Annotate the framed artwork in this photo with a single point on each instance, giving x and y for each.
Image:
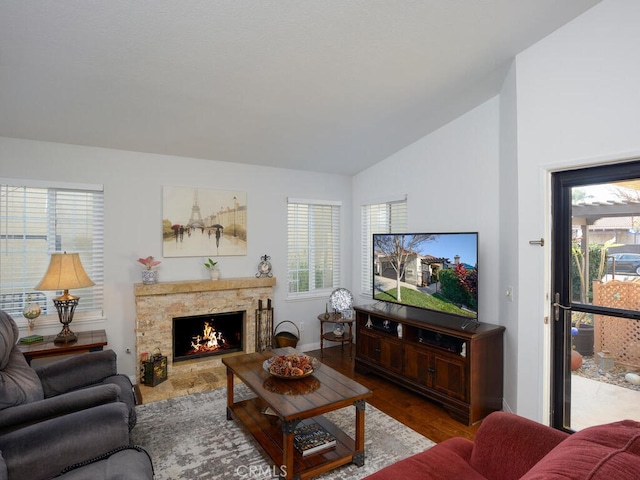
(198, 222)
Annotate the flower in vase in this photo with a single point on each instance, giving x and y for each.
(149, 262)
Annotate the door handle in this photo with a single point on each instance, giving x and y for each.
(557, 306)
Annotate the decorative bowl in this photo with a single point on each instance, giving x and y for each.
(290, 367)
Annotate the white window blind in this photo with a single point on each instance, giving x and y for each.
(313, 247)
(389, 217)
(36, 221)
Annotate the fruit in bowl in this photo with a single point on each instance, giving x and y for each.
(292, 365)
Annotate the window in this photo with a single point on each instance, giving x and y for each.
(389, 217)
(313, 246)
(37, 220)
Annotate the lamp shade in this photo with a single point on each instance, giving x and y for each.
(65, 272)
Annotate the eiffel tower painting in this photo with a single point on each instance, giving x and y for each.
(201, 222)
(195, 221)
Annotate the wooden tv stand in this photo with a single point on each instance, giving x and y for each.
(439, 356)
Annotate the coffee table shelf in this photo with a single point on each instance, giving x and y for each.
(267, 430)
(274, 433)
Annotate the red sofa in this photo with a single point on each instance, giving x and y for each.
(509, 447)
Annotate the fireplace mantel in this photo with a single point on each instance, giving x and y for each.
(156, 306)
(192, 286)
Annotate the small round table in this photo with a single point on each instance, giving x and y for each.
(332, 337)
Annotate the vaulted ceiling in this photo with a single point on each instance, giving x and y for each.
(331, 85)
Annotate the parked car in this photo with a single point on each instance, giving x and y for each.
(624, 263)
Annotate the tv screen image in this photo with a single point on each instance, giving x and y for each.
(432, 271)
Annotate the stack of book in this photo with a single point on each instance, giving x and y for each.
(32, 339)
(312, 438)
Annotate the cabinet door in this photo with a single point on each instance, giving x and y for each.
(450, 377)
(391, 355)
(368, 346)
(417, 364)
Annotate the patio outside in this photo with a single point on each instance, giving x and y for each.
(605, 381)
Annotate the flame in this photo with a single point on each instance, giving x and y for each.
(209, 341)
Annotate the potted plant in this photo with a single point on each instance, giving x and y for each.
(213, 270)
(582, 333)
(149, 275)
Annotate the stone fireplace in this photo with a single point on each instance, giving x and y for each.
(158, 304)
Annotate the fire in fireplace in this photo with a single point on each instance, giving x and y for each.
(205, 335)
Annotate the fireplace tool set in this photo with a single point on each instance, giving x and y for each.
(264, 326)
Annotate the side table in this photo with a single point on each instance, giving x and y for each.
(332, 337)
(90, 341)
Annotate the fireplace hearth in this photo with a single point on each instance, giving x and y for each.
(198, 336)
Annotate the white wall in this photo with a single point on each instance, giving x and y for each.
(133, 215)
(578, 104)
(508, 243)
(451, 180)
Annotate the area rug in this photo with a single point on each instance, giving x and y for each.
(190, 438)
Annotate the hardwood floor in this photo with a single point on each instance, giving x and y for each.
(411, 409)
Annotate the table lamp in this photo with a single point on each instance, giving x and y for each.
(65, 271)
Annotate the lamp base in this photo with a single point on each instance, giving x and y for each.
(66, 305)
(63, 337)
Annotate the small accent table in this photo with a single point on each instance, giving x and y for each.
(90, 341)
(332, 337)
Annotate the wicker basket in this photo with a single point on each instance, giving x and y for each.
(285, 339)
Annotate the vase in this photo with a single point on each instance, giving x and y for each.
(583, 340)
(214, 273)
(149, 277)
(576, 360)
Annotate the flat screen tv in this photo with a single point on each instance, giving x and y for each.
(432, 271)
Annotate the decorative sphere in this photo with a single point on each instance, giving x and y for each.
(31, 311)
(633, 378)
(574, 331)
(576, 360)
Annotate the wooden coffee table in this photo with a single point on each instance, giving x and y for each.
(294, 403)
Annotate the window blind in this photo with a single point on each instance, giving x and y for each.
(36, 221)
(313, 247)
(389, 217)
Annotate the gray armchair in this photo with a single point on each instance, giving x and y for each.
(88, 444)
(30, 395)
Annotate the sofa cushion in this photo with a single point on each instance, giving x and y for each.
(127, 394)
(41, 450)
(4, 475)
(23, 415)
(507, 446)
(88, 369)
(445, 461)
(603, 452)
(130, 463)
(19, 383)
(8, 338)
